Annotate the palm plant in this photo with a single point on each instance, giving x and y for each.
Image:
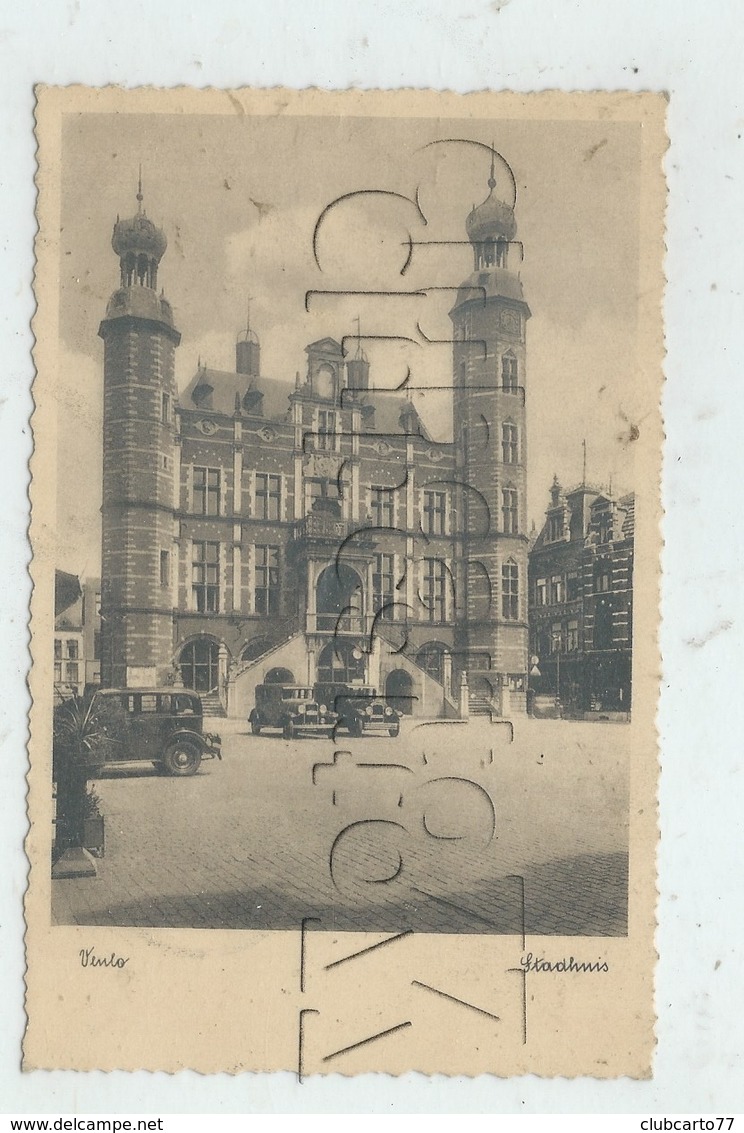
(78, 736)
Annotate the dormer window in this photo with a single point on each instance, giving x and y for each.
(202, 396)
(605, 527)
(555, 528)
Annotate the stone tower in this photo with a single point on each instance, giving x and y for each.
(139, 450)
(489, 323)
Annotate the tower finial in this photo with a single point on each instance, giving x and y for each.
(358, 322)
(583, 474)
(140, 198)
(492, 178)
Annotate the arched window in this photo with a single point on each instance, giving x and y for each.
(339, 599)
(255, 649)
(479, 592)
(199, 664)
(279, 677)
(509, 443)
(509, 511)
(510, 591)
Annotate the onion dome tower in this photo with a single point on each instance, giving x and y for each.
(489, 330)
(139, 554)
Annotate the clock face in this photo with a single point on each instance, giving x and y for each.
(510, 322)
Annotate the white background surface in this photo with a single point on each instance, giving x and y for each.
(695, 53)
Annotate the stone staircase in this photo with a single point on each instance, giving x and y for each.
(480, 705)
(212, 704)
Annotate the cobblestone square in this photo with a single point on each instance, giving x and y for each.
(450, 828)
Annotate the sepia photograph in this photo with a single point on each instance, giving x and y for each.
(348, 414)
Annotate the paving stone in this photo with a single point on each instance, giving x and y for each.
(247, 843)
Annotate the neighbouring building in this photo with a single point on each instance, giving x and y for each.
(581, 602)
(77, 634)
(258, 530)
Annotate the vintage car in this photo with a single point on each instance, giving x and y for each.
(360, 709)
(157, 725)
(293, 708)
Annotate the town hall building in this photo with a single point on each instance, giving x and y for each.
(259, 530)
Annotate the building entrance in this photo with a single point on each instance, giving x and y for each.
(199, 665)
(340, 662)
(399, 691)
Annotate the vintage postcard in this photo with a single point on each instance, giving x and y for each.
(346, 534)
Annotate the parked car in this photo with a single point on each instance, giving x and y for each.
(360, 709)
(157, 725)
(293, 708)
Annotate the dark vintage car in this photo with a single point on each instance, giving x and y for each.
(157, 725)
(360, 709)
(293, 708)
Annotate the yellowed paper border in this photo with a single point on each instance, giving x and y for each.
(232, 1001)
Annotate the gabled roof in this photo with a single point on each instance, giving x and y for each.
(325, 346)
(66, 591)
(395, 414)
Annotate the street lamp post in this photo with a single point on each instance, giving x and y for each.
(556, 639)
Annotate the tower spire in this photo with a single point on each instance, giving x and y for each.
(583, 474)
(492, 178)
(140, 197)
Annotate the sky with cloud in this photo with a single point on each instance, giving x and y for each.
(239, 198)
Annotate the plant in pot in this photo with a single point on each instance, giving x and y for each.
(77, 741)
(93, 823)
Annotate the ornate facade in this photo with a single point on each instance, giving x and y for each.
(581, 603)
(255, 529)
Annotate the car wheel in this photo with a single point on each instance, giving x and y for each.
(288, 731)
(255, 726)
(394, 730)
(182, 758)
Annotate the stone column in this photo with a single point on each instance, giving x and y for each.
(505, 696)
(464, 696)
(447, 674)
(222, 662)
